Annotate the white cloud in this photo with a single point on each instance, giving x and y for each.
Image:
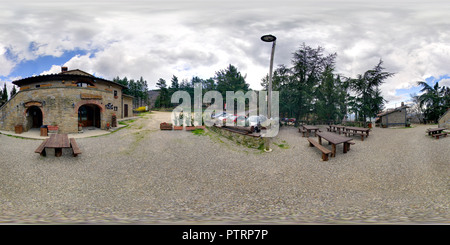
(156, 39)
(445, 82)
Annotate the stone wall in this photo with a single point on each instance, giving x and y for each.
(128, 100)
(397, 118)
(444, 121)
(59, 102)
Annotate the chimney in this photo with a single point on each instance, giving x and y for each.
(64, 69)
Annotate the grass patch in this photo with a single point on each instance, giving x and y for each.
(20, 137)
(261, 147)
(282, 145)
(198, 131)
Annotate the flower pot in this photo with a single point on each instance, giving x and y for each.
(52, 128)
(177, 127)
(190, 128)
(165, 126)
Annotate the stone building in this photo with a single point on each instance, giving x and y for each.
(68, 99)
(396, 117)
(444, 120)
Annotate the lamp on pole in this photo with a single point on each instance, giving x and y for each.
(271, 39)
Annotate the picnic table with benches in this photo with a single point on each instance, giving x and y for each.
(333, 139)
(336, 128)
(308, 129)
(58, 142)
(437, 132)
(357, 131)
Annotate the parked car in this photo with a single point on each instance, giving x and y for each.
(222, 116)
(218, 115)
(229, 117)
(243, 118)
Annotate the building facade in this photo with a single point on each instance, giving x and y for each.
(394, 118)
(444, 120)
(68, 100)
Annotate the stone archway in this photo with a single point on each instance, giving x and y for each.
(34, 117)
(90, 113)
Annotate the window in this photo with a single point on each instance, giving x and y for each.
(83, 84)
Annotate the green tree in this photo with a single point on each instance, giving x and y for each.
(230, 79)
(163, 98)
(436, 100)
(123, 82)
(4, 94)
(174, 83)
(330, 95)
(368, 100)
(13, 91)
(138, 89)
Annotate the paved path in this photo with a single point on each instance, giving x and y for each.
(142, 175)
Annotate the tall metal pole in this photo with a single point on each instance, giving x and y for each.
(269, 38)
(269, 109)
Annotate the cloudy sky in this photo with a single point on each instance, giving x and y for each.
(159, 39)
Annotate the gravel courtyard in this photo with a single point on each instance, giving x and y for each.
(142, 175)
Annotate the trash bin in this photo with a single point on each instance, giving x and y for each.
(114, 121)
(44, 130)
(18, 129)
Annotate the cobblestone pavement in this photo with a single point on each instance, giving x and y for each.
(142, 175)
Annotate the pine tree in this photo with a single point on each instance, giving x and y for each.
(13, 91)
(4, 97)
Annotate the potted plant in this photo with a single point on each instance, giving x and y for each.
(53, 127)
(179, 124)
(80, 127)
(201, 126)
(178, 127)
(165, 126)
(192, 127)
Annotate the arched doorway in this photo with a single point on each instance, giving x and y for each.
(89, 115)
(34, 117)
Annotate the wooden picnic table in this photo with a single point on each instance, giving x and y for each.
(357, 130)
(58, 142)
(335, 139)
(310, 128)
(432, 131)
(336, 128)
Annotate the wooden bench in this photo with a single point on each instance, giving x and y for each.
(41, 148)
(325, 151)
(353, 133)
(444, 134)
(349, 144)
(300, 130)
(75, 148)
